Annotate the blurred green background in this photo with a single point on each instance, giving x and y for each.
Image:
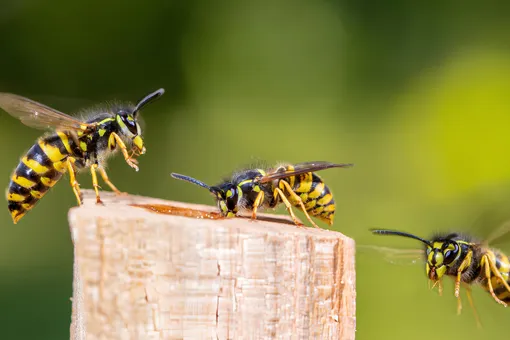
(416, 94)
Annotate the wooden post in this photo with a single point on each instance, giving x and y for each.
(154, 272)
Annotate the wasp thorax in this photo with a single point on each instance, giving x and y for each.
(441, 256)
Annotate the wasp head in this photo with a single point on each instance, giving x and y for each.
(126, 119)
(440, 256)
(227, 196)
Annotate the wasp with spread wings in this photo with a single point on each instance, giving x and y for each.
(294, 185)
(465, 259)
(74, 145)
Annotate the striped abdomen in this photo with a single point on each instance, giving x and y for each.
(316, 196)
(43, 165)
(503, 265)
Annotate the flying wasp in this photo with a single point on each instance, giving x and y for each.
(76, 144)
(293, 185)
(468, 261)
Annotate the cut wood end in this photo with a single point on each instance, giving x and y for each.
(131, 206)
(163, 275)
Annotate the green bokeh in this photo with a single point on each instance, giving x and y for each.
(415, 94)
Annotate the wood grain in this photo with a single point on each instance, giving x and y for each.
(146, 275)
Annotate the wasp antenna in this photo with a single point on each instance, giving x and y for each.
(191, 180)
(148, 98)
(399, 233)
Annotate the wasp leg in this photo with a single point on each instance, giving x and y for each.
(110, 184)
(439, 285)
(131, 162)
(459, 305)
(487, 264)
(95, 184)
(72, 178)
(279, 192)
(300, 202)
(471, 303)
(256, 204)
(465, 263)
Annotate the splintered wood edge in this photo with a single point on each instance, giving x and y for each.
(121, 205)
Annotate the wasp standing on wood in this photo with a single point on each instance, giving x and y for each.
(77, 144)
(294, 185)
(467, 261)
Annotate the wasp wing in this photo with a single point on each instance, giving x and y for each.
(39, 116)
(302, 168)
(394, 255)
(500, 236)
(492, 227)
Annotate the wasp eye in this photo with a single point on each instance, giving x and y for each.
(451, 254)
(130, 124)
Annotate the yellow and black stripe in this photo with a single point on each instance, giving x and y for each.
(314, 193)
(38, 171)
(503, 266)
(76, 144)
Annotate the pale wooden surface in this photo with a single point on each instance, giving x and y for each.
(144, 275)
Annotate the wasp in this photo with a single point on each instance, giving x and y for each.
(294, 185)
(73, 145)
(467, 260)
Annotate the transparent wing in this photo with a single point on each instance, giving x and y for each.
(302, 168)
(492, 226)
(38, 115)
(500, 235)
(393, 255)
